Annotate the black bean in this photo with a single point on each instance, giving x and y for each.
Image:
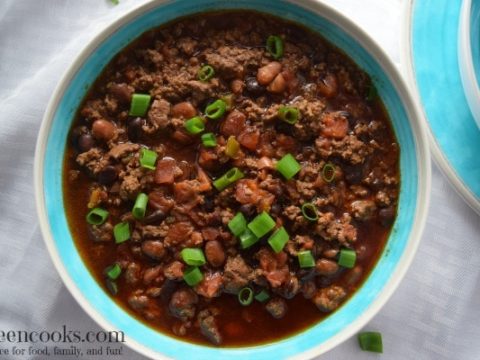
(209, 204)
(85, 142)
(135, 128)
(253, 87)
(353, 174)
(107, 175)
(155, 217)
(248, 210)
(276, 209)
(386, 216)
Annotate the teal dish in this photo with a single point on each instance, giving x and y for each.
(455, 136)
(396, 257)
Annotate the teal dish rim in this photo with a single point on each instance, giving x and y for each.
(431, 51)
(475, 37)
(400, 248)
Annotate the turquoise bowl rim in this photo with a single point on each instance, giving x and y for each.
(400, 249)
(449, 153)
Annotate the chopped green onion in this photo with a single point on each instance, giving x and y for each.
(261, 224)
(305, 259)
(245, 296)
(209, 140)
(347, 258)
(228, 99)
(278, 239)
(113, 271)
(194, 125)
(148, 159)
(262, 296)
(371, 341)
(232, 147)
(289, 114)
(275, 46)
(121, 232)
(115, 2)
(205, 73)
(309, 212)
(216, 109)
(288, 166)
(140, 206)
(247, 239)
(97, 216)
(228, 178)
(112, 286)
(372, 93)
(238, 224)
(193, 256)
(328, 172)
(139, 104)
(192, 276)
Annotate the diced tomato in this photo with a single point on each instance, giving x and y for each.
(165, 171)
(249, 138)
(334, 125)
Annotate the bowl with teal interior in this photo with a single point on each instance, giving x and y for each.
(398, 252)
(468, 50)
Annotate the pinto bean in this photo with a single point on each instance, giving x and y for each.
(234, 123)
(237, 86)
(184, 109)
(153, 249)
(328, 86)
(267, 73)
(103, 130)
(278, 85)
(326, 267)
(215, 253)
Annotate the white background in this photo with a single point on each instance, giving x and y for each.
(434, 314)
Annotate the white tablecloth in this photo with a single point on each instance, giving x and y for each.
(434, 314)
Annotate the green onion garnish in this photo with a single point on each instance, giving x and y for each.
(121, 232)
(192, 276)
(209, 140)
(232, 147)
(347, 258)
(193, 256)
(216, 109)
(139, 104)
(206, 73)
(278, 239)
(247, 239)
(309, 212)
(228, 178)
(97, 216)
(288, 114)
(261, 224)
(194, 125)
(140, 206)
(148, 159)
(112, 286)
(371, 341)
(238, 224)
(115, 2)
(275, 46)
(305, 259)
(245, 296)
(113, 271)
(288, 166)
(328, 172)
(262, 296)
